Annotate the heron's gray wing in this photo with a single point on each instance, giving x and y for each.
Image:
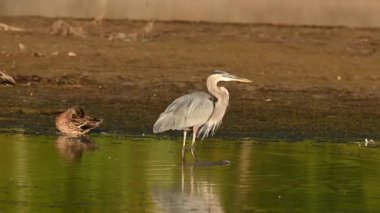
(189, 110)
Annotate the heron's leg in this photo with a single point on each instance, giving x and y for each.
(195, 130)
(184, 145)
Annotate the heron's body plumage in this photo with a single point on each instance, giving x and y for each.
(190, 110)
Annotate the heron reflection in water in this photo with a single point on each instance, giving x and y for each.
(201, 111)
(195, 194)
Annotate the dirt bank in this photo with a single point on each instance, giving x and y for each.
(308, 82)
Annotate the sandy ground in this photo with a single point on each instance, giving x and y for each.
(308, 82)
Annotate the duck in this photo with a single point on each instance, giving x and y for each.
(75, 123)
(6, 79)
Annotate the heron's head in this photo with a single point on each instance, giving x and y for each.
(6, 79)
(225, 76)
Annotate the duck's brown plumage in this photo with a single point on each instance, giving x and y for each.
(6, 79)
(74, 122)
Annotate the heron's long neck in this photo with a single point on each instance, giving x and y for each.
(222, 96)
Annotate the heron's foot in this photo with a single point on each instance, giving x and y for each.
(193, 153)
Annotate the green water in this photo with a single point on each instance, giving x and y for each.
(106, 174)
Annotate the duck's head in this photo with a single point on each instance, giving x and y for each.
(75, 112)
(6, 79)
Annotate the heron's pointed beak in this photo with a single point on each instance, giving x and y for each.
(7, 79)
(235, 78)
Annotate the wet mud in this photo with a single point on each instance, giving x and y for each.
(308, 82)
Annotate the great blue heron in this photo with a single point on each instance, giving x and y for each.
(198, 110)
(6, 79)
(74, 122)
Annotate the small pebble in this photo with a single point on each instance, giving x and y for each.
(21, 47)
(71, 54)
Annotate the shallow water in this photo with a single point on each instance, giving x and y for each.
(107, 174)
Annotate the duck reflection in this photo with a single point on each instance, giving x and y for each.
(195, 194)
(72, 148)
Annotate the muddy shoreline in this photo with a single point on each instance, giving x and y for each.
(309, 83)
